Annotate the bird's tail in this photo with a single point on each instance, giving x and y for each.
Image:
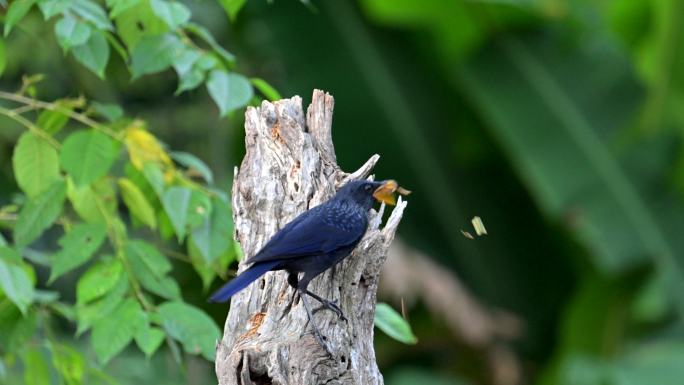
(241, 281)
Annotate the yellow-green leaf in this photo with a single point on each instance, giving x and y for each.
(137, 203)
(35, 163)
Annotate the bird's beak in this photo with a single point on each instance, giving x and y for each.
(385, 193)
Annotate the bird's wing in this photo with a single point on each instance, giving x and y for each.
(307, 235)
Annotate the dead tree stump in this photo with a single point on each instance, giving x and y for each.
(289, 167)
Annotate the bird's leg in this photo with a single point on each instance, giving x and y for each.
(330, 305)
(316, 331)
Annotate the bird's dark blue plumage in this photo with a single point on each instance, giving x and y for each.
(311, 243)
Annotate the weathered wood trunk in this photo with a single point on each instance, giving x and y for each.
(290, 166)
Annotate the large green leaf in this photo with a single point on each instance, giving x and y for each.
(192, 327)
(99, 280)
(87, 156)
(154, 54)
(551, 129)
(151, 269)
(232, 7)
(194, 164)
(92, 12)
(137, 203)
(149, 339)
(39, 213)
(114, 332)
(229, 90)
(136, 19)
(15, 282)
(51, 8)
(94, 53)
(92, 312)
(392, 323)
(95, 202)
(35, 163)
(3, 56)
(78, 246)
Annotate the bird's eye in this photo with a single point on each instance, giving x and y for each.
(367, 187)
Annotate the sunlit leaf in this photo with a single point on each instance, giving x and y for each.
(136, 19)
(35, 163)
(95, 202)
(137, 203)
(50, 8)
(392, 323)
(92, 312)
(232, 7)
(176, 201)
(69, 362)
(36, 370)
(266, 89)
(3, 57)
(16, 329)
(87, 155)
(143, 147)
(99, 280)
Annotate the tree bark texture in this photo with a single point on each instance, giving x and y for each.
(289, 167)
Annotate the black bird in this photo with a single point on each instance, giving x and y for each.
(313, 242)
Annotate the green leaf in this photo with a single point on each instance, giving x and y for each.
(50, 8)
(78, 246)
(151, 268)
(194, 163)
(173, 13)
(266, 89)
(39, 213)
(16, 330)
(214, 237)
(205, 35)
(3, 57)
(114, 332)
(154, 177)
(136, 202)
(154, 54)
(191, 327)
(230, 91)
(15, 282)
(95, 202)
(91, 313)
(136, 21)
(92, 12)
(16, 11)
(190, 75)
(392, 323)
(118, 6)
(52, 121)
(149, 339)
(94, 53)
(176, 201)
(35, 163)
(71, 32)
(70, 364)
(87, 155)
(109, 111)
(99, 280)
(36, 369)
(232, 7)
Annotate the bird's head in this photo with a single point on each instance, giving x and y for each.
(363, 192)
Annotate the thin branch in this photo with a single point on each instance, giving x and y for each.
(31, 127)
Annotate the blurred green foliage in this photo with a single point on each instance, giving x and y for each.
(556, 121)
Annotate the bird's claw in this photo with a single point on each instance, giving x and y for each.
(332, 306)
